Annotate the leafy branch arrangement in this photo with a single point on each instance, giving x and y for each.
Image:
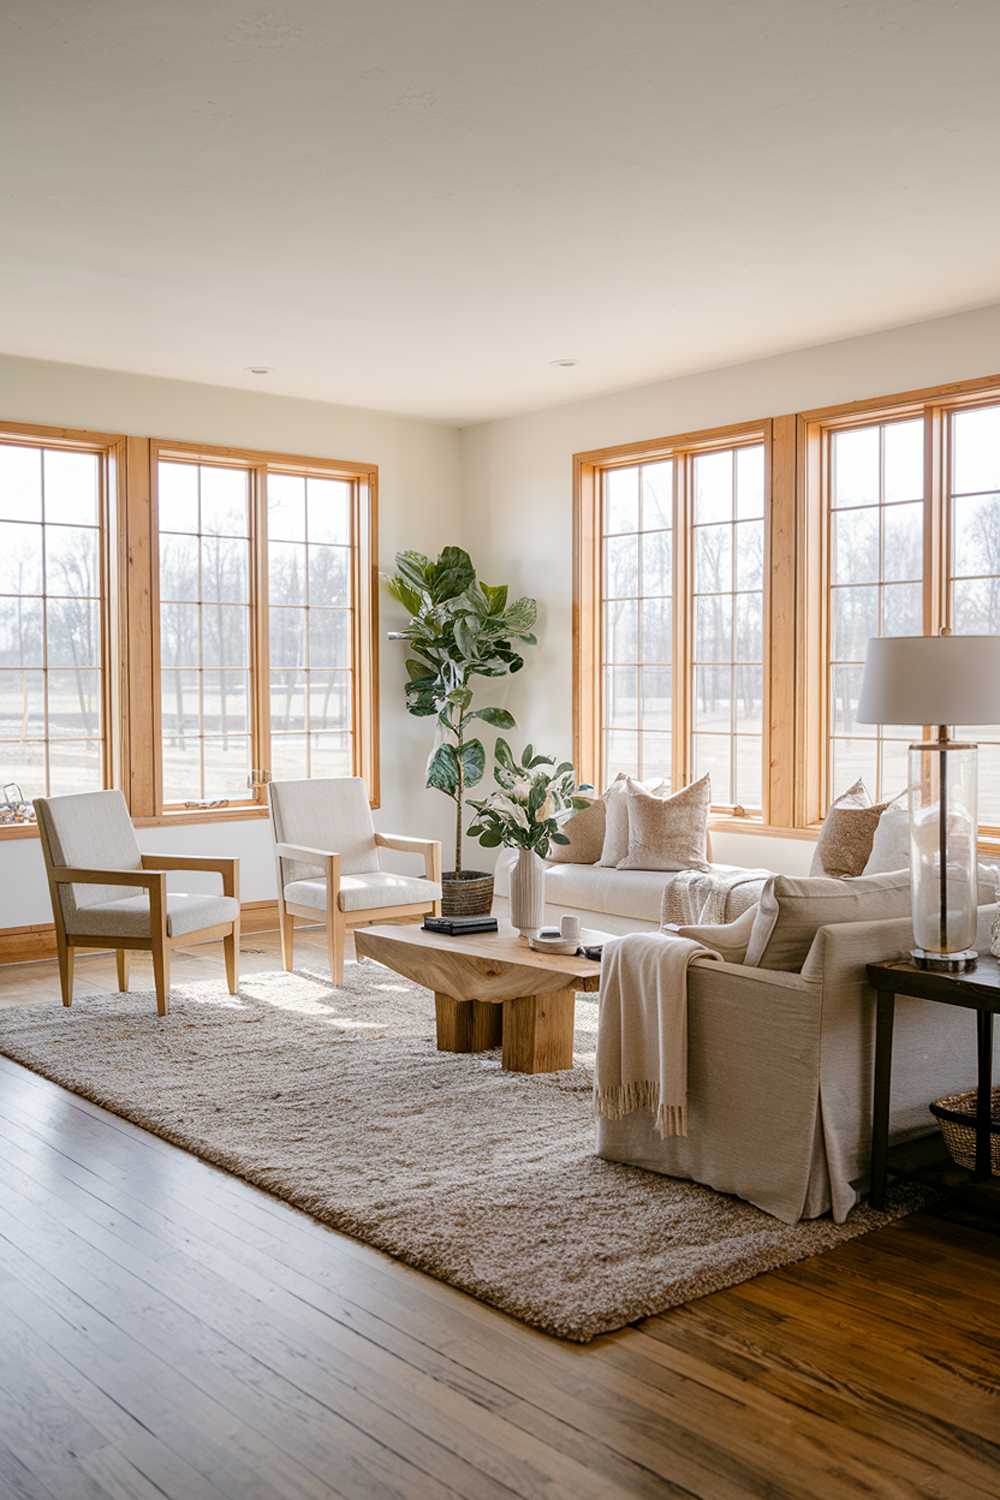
(531, 805)
(459, 629)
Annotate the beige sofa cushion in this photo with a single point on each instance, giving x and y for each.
(668, 833)
(793, 908)
(585, 831)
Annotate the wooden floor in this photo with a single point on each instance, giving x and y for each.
(166, 1330)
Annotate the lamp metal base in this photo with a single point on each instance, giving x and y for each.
(945, 963)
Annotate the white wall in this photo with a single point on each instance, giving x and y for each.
(518, 477)
(419, 506)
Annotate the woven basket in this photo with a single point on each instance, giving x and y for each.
(467, 895)
(956, 1116)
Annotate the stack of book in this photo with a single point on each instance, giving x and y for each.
(459, 926)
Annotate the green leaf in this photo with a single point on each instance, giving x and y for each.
(491, 840)
(498, 717)
(412, 571)
(416, 670)
(504, 757)
(466, 636)
(529, 750)
(560, 838)
(563, 767)
(473, 761)
(442, 770)
(408, 597)
(496, 597)
(451, 575)
(521, 615)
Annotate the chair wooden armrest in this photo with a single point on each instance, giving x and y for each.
(403, 844)
(149, 880)
(305, 853)
(228, 868)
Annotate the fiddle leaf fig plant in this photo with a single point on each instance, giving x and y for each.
(459, 629)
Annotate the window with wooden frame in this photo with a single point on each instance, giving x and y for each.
(266, 645)
(670, 622)
(901, 518)
(55, 616)
(875, 520)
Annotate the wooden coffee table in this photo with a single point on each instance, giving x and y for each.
(491, 990)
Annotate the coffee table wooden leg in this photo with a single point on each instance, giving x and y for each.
(487, 1025)
(538, 1032)
(466, 1025)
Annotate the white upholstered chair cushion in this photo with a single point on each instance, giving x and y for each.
(329, 814)
(130, 917)
(363, 892)
(89, 830)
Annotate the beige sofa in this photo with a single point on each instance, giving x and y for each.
(780, 1075)
(602, 896)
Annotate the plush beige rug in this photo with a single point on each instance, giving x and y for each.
(338, 1102)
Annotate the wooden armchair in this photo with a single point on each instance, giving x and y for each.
(329, 866)
(123, 902)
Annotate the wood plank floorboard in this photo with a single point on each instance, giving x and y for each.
(167, 1330)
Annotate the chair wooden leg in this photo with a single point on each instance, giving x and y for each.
(231, 947)
(161, 976)
(122, 964)
(336, 938)
(286, 925)
(66, 961)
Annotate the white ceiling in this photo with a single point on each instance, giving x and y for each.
(419, 204)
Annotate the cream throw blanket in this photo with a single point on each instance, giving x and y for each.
(642, 1028)
(711, 896)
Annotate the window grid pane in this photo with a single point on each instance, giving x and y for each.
(875, 587)
(52, 668)
(727, 645)
(205, 632)
(974, 573)
(637, 590)
(311, 607)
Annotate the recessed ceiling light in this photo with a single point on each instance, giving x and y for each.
(258, 369)
(564, 364)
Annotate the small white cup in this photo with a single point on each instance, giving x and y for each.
(569, 929)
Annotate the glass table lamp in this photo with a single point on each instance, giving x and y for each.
(938, 680)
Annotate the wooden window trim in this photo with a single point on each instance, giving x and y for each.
(365, 653)
(935, 404)
(109, 448)
(588, 468)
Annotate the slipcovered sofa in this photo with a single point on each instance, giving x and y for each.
(780, 1074)
(615, 900)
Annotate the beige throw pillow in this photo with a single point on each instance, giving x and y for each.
(585, 831)
(794, 907)
(848, 832)
(615, 846)
(669, 833)
(729, 939)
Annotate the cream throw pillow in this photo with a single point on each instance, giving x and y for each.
(729, 939)
(585, 831)
(794, 907)
(891, 845)
(668, 833)
(615, 846)
(848, 832)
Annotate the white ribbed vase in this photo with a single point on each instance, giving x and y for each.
(527, 893)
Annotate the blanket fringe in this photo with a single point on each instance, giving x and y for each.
(628, 1098)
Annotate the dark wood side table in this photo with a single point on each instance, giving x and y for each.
(978, 989)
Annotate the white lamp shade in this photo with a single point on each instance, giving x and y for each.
(931, 679)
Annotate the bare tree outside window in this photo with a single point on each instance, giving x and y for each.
(51, 650)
